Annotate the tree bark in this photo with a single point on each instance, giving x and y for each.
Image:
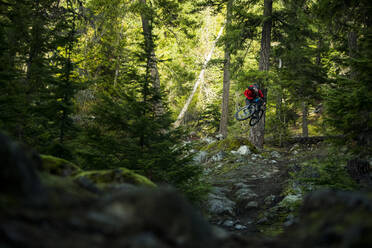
(353, 49)
(257, 132)
(151, 64)
(305, 112)
(226, 75)
(149, 46)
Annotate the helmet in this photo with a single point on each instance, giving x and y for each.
(253, 87)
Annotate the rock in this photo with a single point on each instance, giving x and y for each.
(244, 150)
(332, 219)
(291, 201)
(228, 223)
(275, 154)
(218, 203)
(156, 218)
(290, 220)
(201, 157)
(57, 166)
(240, 227)
(218, 157)
(105, 178)
(209, 140)
(252, 204)
(244, 193)
(263, 220)
(269, 199)
(255, 157)
(18, 178)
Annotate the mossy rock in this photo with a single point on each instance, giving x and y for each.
(230, 144)
(58, 166)
(116, 176)
(62, 190)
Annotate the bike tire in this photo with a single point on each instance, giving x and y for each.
(255, 119)
(244, 112)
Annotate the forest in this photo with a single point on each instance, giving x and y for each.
(118, 125)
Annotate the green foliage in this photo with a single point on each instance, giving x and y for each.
(324, 174)
(37, 82)
(349, 97)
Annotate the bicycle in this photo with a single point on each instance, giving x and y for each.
(253, 110)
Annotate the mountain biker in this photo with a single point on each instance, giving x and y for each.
(254, 94)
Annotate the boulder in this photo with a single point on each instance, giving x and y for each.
(244, 150)
(18, 178)
(106, 178)
(218, 203)
(58, 166)
(331, 218)
(153, 218)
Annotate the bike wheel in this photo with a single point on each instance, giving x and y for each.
(256, 118)
(244, 112)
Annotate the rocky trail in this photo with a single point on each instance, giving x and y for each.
(245, 186)
(256, 193)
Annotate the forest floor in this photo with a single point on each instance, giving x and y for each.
(255, 192)
(257, 199)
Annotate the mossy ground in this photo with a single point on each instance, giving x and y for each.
(119, 175)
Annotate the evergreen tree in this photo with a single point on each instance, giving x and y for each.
(38, 91)
(348, 96)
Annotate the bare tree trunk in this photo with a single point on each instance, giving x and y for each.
(305, 112)
(149, 43)
(198, 81)
(279, 116)
(257, 133)
(151, 65)
(226, 75)
(353, 49)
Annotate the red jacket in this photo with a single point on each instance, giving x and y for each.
(250, 94)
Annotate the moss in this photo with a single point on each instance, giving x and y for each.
(57, 185)
(272, 230)
(119, 175)
(58, 166)
(230, 144)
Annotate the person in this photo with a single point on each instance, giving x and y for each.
(254, 94)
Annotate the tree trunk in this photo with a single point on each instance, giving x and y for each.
(257, 133)
(353, 49)
(226, 75)
(149, 46)
(151, 64)
(305, 112)
(198, 81)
